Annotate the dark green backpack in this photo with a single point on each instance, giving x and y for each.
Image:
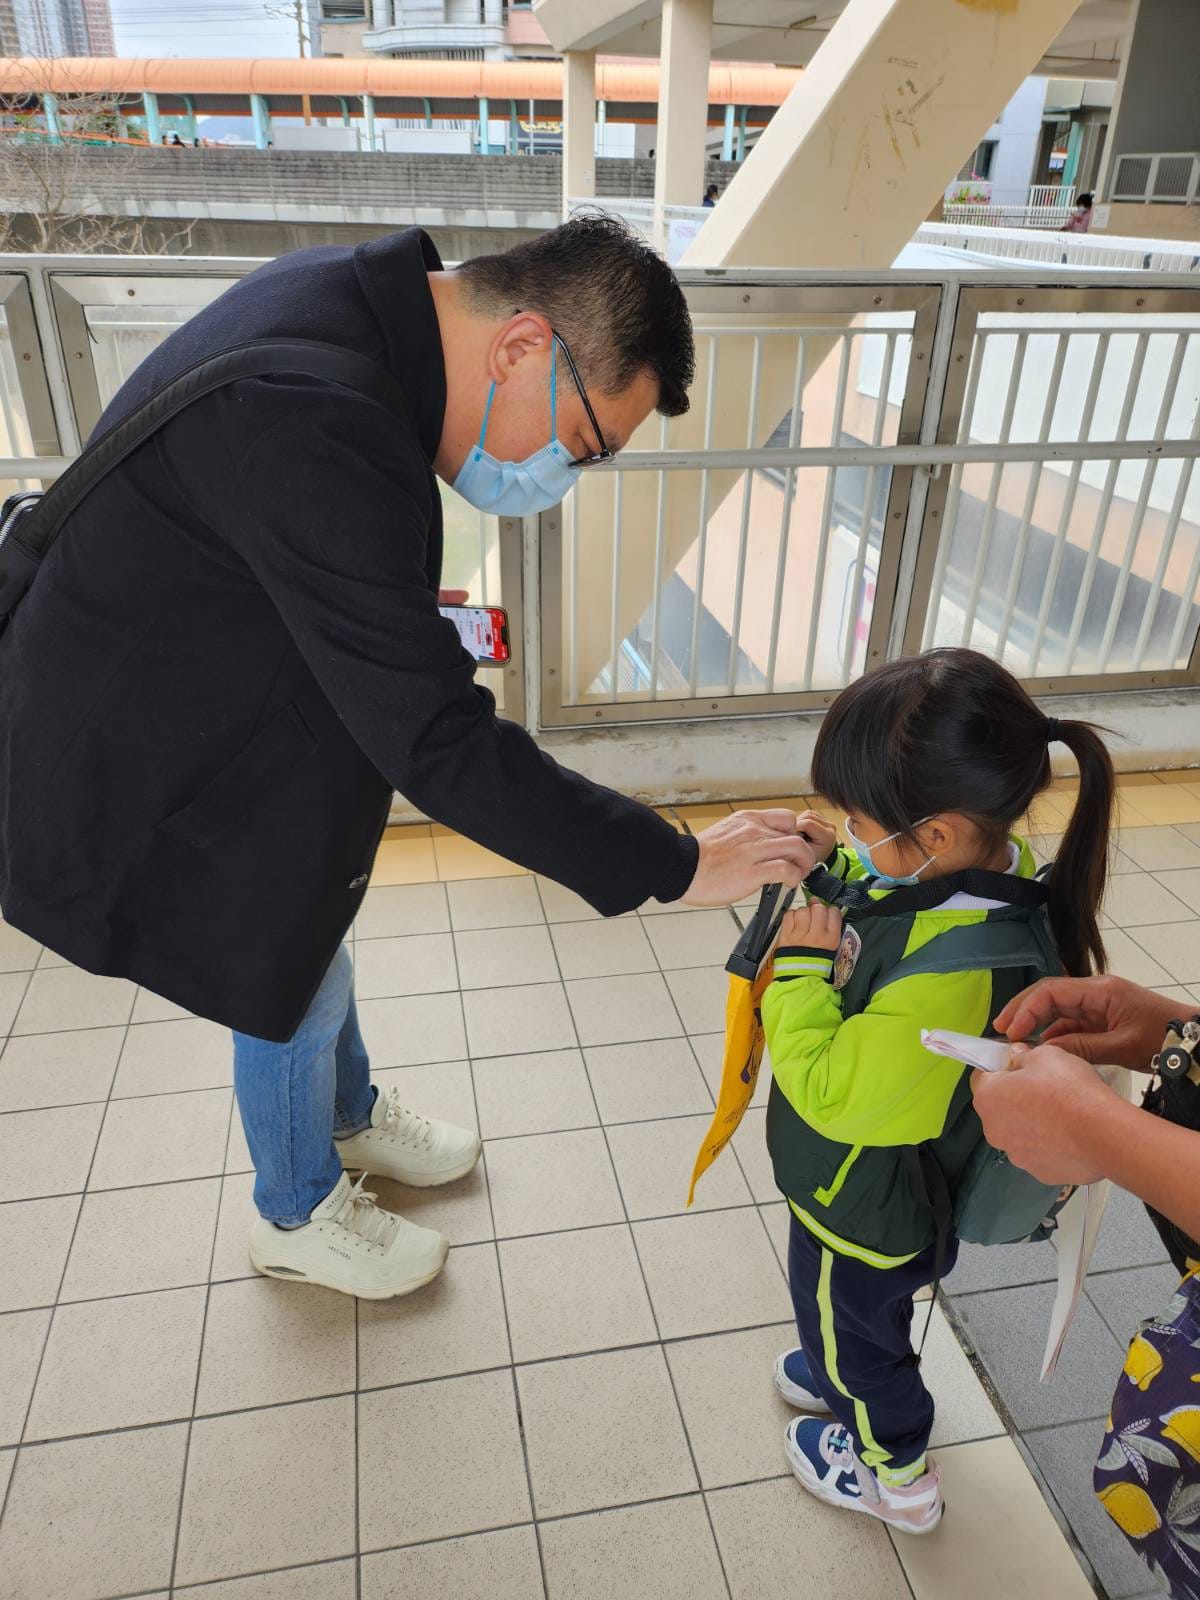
(994, 1202)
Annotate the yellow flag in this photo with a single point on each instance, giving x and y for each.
(744, 1044)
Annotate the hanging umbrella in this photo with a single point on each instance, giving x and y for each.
(749, 974)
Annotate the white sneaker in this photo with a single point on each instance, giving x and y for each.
(823, 1458)
(409, 1148)
(352, 1245)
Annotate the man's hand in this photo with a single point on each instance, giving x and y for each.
(741, 853)
(1108, 1021)
(1043, 1113)
(452, 597)
(815, 927)
(813, 827)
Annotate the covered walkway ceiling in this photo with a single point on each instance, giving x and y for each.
(789, 32)
(397, 88)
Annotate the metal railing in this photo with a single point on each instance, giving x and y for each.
(1116, 252)
(1051, 214)
(872, 463)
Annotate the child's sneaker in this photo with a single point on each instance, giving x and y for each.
(795, 1382)
(821, 1455)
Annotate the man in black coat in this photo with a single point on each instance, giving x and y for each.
(233, 655)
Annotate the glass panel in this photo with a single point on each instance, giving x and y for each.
(123, 336)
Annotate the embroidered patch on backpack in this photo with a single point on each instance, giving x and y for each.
(846, 959)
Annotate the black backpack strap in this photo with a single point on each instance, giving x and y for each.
(257, 358)
(994, 944)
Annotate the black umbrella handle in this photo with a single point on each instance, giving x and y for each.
(759, 934)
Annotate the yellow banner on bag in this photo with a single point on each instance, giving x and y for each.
(744, 1046)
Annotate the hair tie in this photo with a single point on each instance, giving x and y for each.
(1052, 730)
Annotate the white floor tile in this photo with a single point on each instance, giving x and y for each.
(769, 1532)
(395, 910)
(619, 1010)
(495, 903)
(693, 939)
(58, 1069)
(65, 997)
(662, 1551)
(603, 1430)
(119, 1363)
(455, 1324)
(47, 1152)
(568, 1293)
(491, 957)
(110, 1500)
(165, 1057)
(128, 1240)
(162, 1138)
(407, 1032)
(515, 1020)
(603, 949)
(439, 1459)
(22, 1340)
(542, 1092)
(268, 1489)
(699, 993)
(419, 964)
(35, 1236)
(552, 1181)
(654, 1162)
(484, 1566)
(649, 1079)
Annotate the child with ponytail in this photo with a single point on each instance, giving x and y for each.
(934, 917)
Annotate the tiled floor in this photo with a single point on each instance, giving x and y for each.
(581, 1406)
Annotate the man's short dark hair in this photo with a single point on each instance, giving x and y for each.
(612, 298)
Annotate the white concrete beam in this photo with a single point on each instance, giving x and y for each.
(571, 25)
(682, 106)
(579, 127)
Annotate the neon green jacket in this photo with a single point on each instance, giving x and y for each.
(852, 1083)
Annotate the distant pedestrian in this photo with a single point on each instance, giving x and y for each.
(1080, 220)
(710, 196)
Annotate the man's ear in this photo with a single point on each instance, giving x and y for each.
(526, 334)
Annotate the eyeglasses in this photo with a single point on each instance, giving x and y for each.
(604, 453)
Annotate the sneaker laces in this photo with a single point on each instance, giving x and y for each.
(359, 1214)
(837, 1447)
(407, 1126)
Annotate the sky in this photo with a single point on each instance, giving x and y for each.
(202, 28)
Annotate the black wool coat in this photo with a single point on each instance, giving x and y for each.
(233, 655)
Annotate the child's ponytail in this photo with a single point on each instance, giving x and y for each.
(1080, 869)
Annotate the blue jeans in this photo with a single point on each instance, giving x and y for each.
(294, 1097)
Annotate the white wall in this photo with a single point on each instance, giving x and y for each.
(430, 141)
(1018, 134)
(298, 137)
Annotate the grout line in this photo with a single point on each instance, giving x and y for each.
(187, 1447)
(511, 1368)
(66, 1259)
(659, 1343)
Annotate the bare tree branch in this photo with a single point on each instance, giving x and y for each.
(50, 186)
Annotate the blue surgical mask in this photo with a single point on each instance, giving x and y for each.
(518, 488)
(885, 880)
